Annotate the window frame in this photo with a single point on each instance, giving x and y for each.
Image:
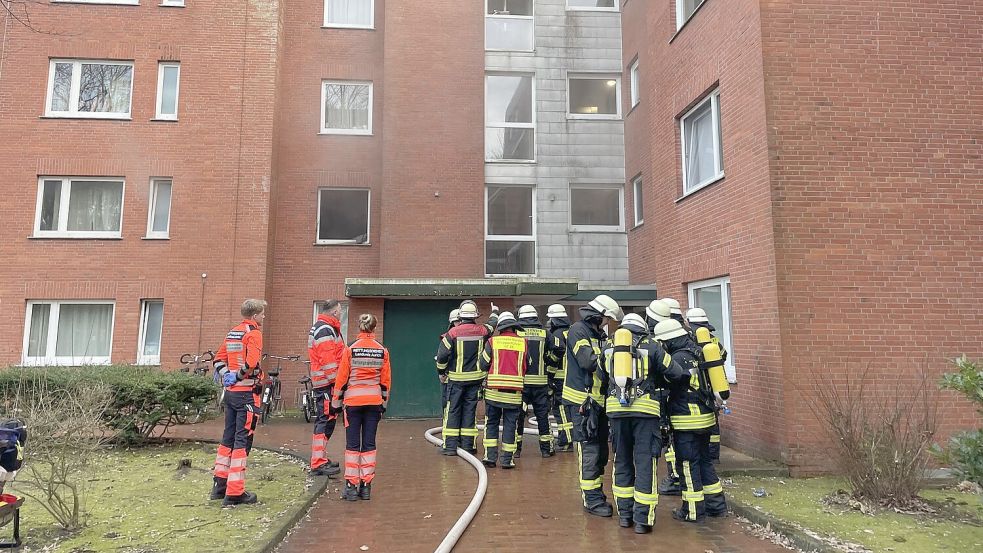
(73, 94)
(63, 207)
(615, 8)
(634, 90)
(714, 98)
(681, 21)
(505, 125)
(368, 218)
(172, 3)
(160, 89)
(531, 18)
(52, 344)
(637, 194)
(597, 228)
(596, 76)
(142, 359)
(345, 305)
(152, 210)
(356, 132)
(327, 25)
(532, 237)
(107, 2)
(727, 331)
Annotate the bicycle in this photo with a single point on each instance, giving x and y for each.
(308, 403)
(271, 400)
(197, 364)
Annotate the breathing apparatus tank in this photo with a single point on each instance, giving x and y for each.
(623, 364)
(713, 363)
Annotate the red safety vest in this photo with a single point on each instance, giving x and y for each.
(508, 361)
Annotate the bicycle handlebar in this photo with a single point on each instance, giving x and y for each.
(204, 356)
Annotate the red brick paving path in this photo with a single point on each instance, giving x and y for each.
(419, 495)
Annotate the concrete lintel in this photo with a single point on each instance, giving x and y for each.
(457, 288)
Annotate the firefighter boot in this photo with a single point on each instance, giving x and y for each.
(350, 493)
(365, 491)
(624, 522)
(247, 498)
(600, 510)
(327, 470)
(670, 486)
(546, 448)
(218, 489)
(642, 528)
(507, 462)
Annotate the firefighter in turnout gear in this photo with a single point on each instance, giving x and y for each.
(691, 405)
(505, 359)
(637, 368)
(237, 363)
(697, 318)
(536, 390)
(364, 380)
(457, 360)
(325, 346)
(558, 326)
(453, 319)
(655, 313)
(675, 312)
(584, 389)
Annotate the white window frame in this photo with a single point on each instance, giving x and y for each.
(501, 125)
(53, 359)
(725, 332)
(328, 25)
(73, 95)
(109, 2)
(634, 83)
(165, 234)
(172, 3)
(718, 147)
(531, 17)
(368, 218)
(596, 77)
(160, 89)
(361, 132)
(587, 9)
(597, 228)
(637, 195)
(512, 237)
(143, 359)
(63, 210)
(682, 19)
(345, 305)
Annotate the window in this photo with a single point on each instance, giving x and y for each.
(343, 216)
(703, 157)
(168, 78)
(344, 316)
(510, 123)
(636, 199)
(79, 208)
(159, 217)
(68, 332)
(510, 230)
(594, 96)
(685, 10)
(713, 296)
(509, 25)
(633, 75)
(357, 14)
(346, 108)
(174, 3)
(596, 207)
(97, 89)
(123, 2)
(594, 5)
(151, 322)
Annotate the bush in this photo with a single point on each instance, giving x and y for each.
(144, 401)
(965, 451)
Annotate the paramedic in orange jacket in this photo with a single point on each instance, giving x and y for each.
(325, 345)
(237, 363)
(362, 388)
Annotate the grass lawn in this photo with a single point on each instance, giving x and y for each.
(140, 502)
(798, 501)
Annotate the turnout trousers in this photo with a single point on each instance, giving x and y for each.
(460, 429)
(508, 416)
(592, 456)
(636, 442)
(702, 492)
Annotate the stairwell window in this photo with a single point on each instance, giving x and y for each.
(685, 10)
(168, 80)
(594, 96)
(346, 107)
(703, 156)
(510, 120)
(633, 76)
(509, 25)
(351, 14)
(636, 200)
(592, 5)
(151, 323)
(91, 89)
(713, 296)
(159, 217)
(597, 208)
(343, 216)
(79, 207)
(72, 332)
(510, 230)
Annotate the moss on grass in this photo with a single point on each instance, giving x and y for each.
(799, 501)
(139, 501)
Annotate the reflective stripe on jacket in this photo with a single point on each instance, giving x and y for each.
(459, 351)
(506, 359)
(325, 346)
(537, 374)
(364, 375)
(241, 353)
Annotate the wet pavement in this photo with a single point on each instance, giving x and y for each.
(419, 494)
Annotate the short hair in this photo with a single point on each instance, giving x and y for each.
(329, 306)
(367, 322)
(251, 307)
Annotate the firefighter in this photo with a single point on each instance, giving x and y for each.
(691, 412)
(584, 389)
(505, 359)
(697, 318)
(453, 319)
(558, 326)
(325, 346)
(237, 363)
(656, 312)
(633, 407)
(536, 389)
(457, 360)
(364, 379)
(675, 312)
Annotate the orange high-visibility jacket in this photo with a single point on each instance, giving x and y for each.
(324, 347)
(241, 351)
(364, 375)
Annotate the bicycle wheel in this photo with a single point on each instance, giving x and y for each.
(221, 400)
(276, 400)
(305, 406)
